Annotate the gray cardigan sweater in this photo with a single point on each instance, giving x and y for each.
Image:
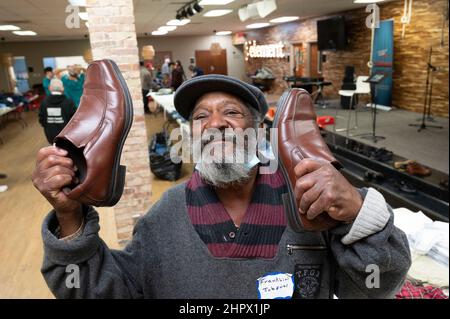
(167, 259)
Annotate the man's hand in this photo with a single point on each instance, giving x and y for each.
(52, 173)
(321, 188)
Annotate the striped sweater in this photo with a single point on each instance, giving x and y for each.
(261, 229)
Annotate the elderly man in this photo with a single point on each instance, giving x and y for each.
(56, 110)
(223, 233)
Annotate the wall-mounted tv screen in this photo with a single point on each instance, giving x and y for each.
(332, 34)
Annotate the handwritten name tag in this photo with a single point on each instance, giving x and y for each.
(275, 286)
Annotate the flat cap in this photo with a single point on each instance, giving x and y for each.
(190, 91)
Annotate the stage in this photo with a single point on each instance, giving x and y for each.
(429, 147)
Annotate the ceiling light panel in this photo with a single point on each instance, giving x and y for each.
(217, 13)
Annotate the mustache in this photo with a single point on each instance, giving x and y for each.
(224, 138)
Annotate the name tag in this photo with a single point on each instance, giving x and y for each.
(275, 286)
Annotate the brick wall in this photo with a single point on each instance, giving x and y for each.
(112, 35)
(410, 53)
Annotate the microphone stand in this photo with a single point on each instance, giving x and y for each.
(428, 94)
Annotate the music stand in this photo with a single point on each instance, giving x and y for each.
(374, 80)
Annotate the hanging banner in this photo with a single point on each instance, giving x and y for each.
(383, 61)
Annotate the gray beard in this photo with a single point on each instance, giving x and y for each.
(224, 175)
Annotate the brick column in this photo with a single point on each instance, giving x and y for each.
(113, 36)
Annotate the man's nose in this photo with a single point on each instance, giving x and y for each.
(216, 120)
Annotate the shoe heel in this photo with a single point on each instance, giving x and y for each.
(118, 186)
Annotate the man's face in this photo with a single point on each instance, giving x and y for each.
(49, 74)
(221, 112)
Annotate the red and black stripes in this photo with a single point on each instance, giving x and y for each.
(261, 229)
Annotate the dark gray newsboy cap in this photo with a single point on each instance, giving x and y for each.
(190, 91)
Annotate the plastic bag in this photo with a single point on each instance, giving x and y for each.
(161, 164)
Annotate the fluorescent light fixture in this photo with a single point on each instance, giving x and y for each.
(178, 22)
(258, 25)
(78, 3)
(284, 19)
(217, 13)
(83, 15)
(223, 32)
(25, 32)
(214, 2)
(167, 28)
(9, 27)
(159, 32)
(367, 1)
(266, 7)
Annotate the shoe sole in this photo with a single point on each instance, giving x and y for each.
(119, 171)
(289, 203)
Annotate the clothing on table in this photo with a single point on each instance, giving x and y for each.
(73, 89)
(46, 84)
(411, 291)
(55, 112)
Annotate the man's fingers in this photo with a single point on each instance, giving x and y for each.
(302, 186)
(57, 182)
(57, 170)
(307, 166)
(50, 150)
(54, 160)
(309, 198)
(322, 204)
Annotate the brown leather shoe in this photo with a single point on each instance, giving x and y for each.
(298, 138)
(95, 135)
(416, 169)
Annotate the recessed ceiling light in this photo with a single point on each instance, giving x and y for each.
(223, 32)
(178, 22)
(257, 25)
(83, 15)
(25, 32)
(284, 19)
(9, 27)
(217, 13)
(167, 28)
(159, 32)
(367, 1)
(78, 3)
(214, 2)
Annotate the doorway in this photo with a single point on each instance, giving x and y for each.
(212, 64)
(314, 58)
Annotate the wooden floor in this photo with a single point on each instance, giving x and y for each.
(22, 209)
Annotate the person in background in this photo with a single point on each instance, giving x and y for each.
(73, 82)
(146, 82)
(178, 75)
(56, 110)
(196, 71)
(48, 71)
(166, 72)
